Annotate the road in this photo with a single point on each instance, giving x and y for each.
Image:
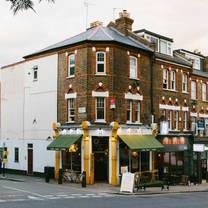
(41, 195)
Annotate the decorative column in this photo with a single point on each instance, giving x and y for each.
(114, 153)
(86, 150)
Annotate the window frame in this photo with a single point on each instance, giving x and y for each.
(69, 66)
(135, 76)
(204, 91)
(70, 109)
(101, 62)
(173, 80)
(104, 110)
(176, 119)
(16, 155)
(184, 120)
(35, 71)
(138, 112)
(184, 83)
(170, 117)
(129, 110)
(166, 78)
(193, 96)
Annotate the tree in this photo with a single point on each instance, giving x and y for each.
(20, 5)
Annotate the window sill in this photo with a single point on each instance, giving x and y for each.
(100, 74)
(70, 77)
(205, 101)
(130, 122)
(35, 80)
(133, 78)
(70, 122)
(169, 90)
(100, 121)
(184, 92)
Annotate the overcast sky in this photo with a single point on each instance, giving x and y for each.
(186, 21)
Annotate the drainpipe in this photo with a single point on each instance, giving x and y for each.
(151, 85)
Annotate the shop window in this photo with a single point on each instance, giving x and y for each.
(129, 111)
(165, 79)
(100, 63)
(133, 67)
(16, 154)
(71, 65)
(71, 110)
(100, 109)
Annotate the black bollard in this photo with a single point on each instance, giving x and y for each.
(83, 179)
(47, 176)
(60, 176)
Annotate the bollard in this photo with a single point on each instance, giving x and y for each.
(83, 179)
(47, 177)
(60, 176)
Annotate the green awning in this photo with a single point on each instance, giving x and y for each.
(63, 142)
(141, 142)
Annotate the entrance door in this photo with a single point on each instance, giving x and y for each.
(100, 147)
(30, 159)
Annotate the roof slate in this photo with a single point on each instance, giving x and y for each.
(98, 33)
(200, 73)
(173, 59)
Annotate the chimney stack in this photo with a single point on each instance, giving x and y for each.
(124, 22)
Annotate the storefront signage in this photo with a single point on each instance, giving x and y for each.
(201, 124)
(127, 182)
(199, 147)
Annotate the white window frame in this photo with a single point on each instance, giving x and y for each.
(193, 90)
(129, 108)
(138, 112)
(184, 83)
(133, 68)
(101, 62)
(176, 113)
(204, 92)
(170, 116)
(184, 120)
(163, 50)
(69, 74)
(169, 48)
(69, 114)
(165, 78)
(96, 112)
(35, 70)
(173, 80)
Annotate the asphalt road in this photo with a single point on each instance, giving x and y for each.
(41, 195)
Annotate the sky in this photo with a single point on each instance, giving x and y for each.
(183, 20)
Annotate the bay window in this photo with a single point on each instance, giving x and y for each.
(138, 109)
(176, 120)
(129, 111)
(100, 63)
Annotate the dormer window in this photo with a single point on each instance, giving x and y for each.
(100, 63)
(165, 47)
(133, 67)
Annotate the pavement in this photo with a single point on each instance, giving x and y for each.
(106, 188)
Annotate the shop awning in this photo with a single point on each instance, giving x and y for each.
(141, 142)
(63, 142)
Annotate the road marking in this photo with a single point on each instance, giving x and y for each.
(23, 191)
(35, 198)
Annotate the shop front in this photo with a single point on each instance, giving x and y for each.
(176, 161)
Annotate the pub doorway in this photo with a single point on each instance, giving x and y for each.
(100, 149)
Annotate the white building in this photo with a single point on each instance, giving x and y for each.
(28, 108)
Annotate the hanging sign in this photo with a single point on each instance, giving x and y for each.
(112, 103)
(127, 182)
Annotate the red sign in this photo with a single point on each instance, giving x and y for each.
(112, 103)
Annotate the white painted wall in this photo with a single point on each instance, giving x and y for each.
(28, 109)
